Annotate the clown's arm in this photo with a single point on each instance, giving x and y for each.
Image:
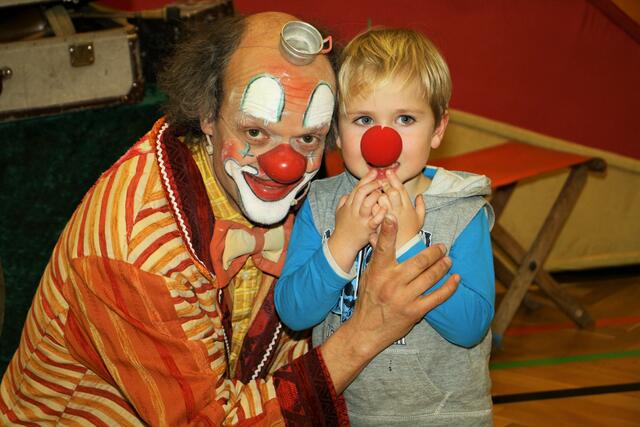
(121, 325)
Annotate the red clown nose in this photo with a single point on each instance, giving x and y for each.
(283, 164)
(380, 146)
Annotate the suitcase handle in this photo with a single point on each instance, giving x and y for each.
(5, 73)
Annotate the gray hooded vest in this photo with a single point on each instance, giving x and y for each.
(422, 379)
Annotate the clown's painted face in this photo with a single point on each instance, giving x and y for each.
(270, 134)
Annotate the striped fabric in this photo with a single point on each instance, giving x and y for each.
(244, 287)
(125, 328)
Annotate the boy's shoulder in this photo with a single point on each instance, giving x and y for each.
(448, 183)
(324, 195)
(332, 184)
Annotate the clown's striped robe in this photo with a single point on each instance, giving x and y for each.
(127, 327)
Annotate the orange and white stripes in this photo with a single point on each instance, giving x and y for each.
(124, 328)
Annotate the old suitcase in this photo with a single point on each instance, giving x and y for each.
(162, 23)
(64, 64)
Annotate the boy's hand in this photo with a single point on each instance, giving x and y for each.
(356, 221)
(396, 201)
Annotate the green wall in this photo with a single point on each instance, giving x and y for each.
(46, 166)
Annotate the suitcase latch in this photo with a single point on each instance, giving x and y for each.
(81, 54)
(5, 73)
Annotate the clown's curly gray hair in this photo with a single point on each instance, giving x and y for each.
(193, 75)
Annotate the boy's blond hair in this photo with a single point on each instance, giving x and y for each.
(378, 55)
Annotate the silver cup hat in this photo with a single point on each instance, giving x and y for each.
(301, 42)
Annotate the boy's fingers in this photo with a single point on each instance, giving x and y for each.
(384, 202)
(396, 184)
(395, 197)
(377, 217)
(394, 180)
(369, 177)
(359, 194)
(366, 209)
(372, 199)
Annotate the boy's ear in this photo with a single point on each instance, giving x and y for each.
(438, 132)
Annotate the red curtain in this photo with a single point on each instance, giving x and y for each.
(568, 69)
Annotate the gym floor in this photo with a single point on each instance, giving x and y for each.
(550, 372)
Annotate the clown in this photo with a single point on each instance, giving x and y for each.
(143, 317)
(271, 130)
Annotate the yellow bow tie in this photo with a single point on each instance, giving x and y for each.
(233, 243)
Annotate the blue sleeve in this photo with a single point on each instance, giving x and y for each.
(465, 317)
(308, 287)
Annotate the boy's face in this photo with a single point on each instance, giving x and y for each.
(398, 105)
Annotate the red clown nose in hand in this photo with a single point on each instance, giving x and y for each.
(380, 146)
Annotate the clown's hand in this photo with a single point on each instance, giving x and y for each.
(390, 295)
(390, 303)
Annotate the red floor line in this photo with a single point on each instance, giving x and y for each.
(600, 323)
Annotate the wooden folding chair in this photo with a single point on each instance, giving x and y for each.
(506, 165)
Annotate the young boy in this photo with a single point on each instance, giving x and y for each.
(437, 374)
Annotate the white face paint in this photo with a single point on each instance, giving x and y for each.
(320, 109)
(263, 98)
(256, 209)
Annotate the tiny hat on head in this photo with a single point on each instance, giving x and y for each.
(301, 42)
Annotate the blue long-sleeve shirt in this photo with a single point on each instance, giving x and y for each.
(311, 283)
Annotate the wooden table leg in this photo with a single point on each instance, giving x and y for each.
(505, 276)
(568, 305)
(500, 198)
(534, 259)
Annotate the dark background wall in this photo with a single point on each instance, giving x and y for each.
(46, 166)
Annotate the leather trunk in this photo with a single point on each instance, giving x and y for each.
(63, 65)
